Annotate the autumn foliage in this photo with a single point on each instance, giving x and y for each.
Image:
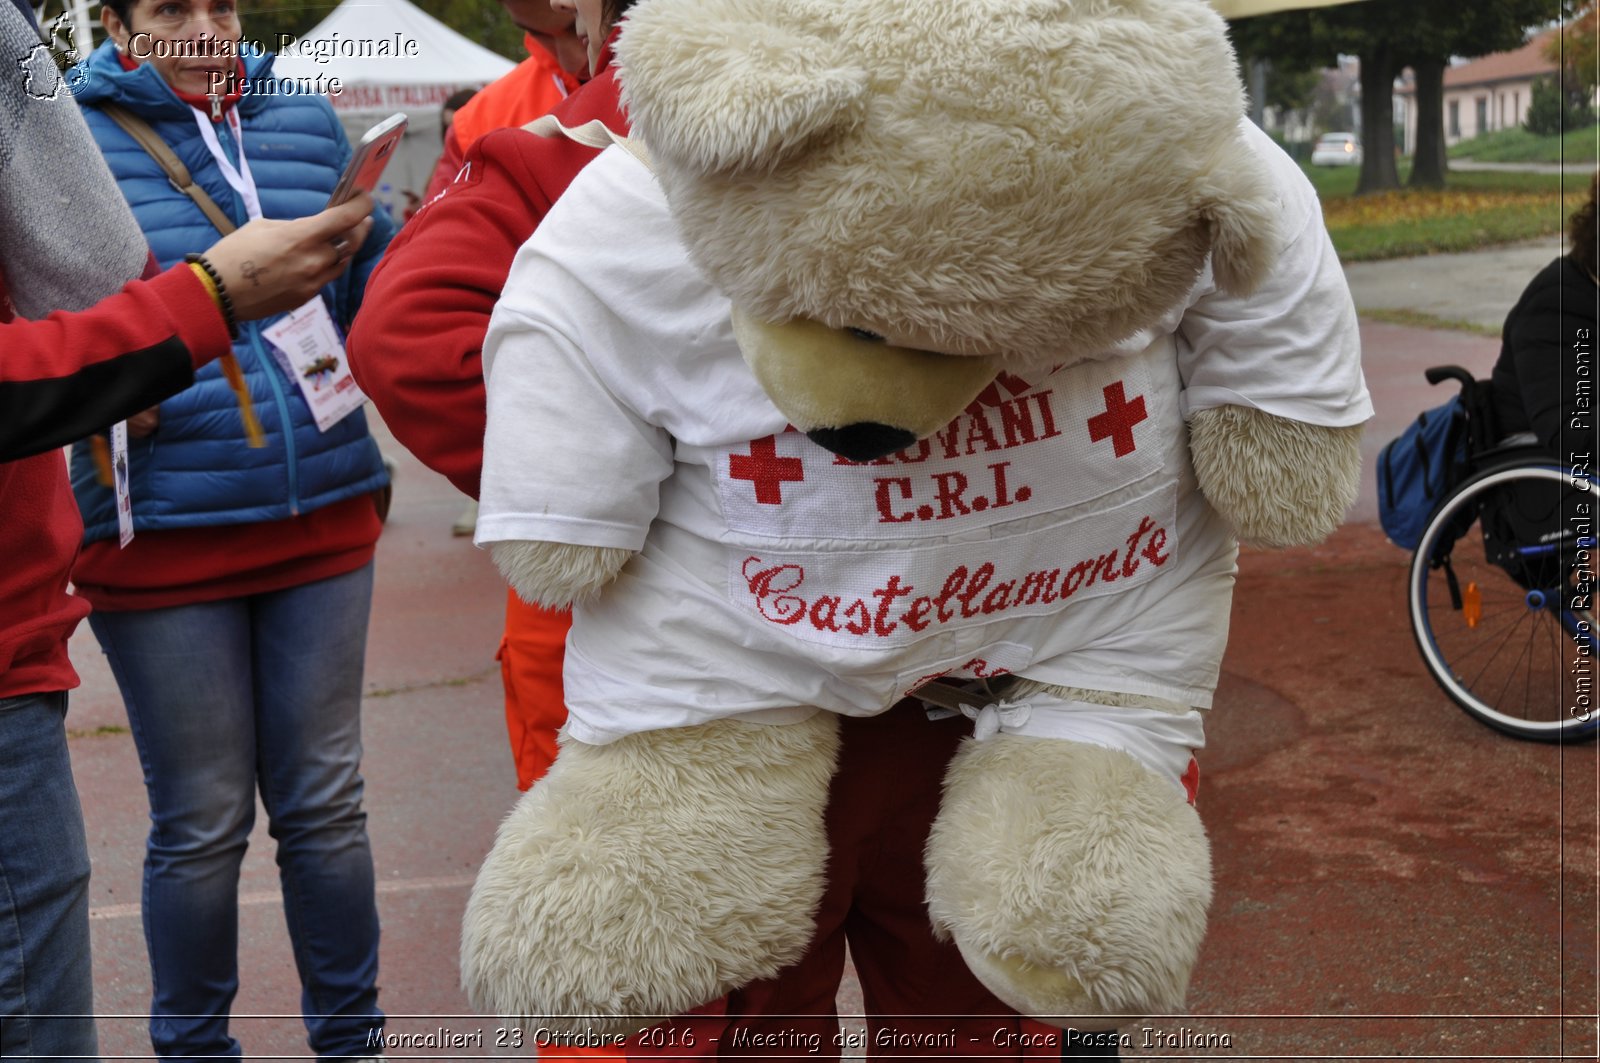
(1575, 49)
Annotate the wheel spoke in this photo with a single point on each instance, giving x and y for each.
(1508, 668)
(1510, 674)
(1490, 634)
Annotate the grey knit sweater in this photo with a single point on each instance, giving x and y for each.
(67, 238)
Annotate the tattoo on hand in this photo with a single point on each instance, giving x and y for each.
(252, 273)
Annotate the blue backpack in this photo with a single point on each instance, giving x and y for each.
(1418, 469)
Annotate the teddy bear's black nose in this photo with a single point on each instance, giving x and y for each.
(863, 441)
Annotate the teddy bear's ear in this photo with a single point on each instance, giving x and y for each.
(1240, 211)
(715, 86)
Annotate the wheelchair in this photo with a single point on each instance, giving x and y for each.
(1501, 585)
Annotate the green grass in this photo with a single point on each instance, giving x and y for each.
(1332, 182)
(1419, 319)
(1578, 147)
(102, 731)
(1408, 237)
(1474, 210)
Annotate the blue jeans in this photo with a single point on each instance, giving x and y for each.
(46, 992)
(225, 698)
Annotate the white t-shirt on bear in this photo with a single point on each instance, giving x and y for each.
(1293, 347)
(1052, 530)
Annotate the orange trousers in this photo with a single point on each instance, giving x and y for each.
(531, 651)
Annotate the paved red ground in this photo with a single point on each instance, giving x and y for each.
(1393, 879)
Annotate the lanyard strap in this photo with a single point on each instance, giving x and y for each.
(239, 177)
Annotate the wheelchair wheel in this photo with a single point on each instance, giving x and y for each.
(1499, 601)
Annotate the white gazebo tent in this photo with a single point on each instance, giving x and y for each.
(389, 56)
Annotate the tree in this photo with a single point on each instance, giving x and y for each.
(1290, 89)
(1576, 50)
(1290, 62)
(1386, 36)
(484, 21)
(1319, 38)
(1552, 112)
(1429, 163)
(272, 21)
(1380, 64)
(1466, 30)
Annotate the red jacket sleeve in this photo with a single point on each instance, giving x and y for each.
(72, 374)
(416, 346)
(444, 171)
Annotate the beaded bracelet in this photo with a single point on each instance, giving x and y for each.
(253, 433)
(210, 285)
(221, 291)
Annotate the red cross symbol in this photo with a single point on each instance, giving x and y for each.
(766, 470)
(1118, 420)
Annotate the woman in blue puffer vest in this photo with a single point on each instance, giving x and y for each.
(235, 619)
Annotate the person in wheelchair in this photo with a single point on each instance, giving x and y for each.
(1542, 381)
(1502, 578)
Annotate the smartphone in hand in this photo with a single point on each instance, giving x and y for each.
(372, 154)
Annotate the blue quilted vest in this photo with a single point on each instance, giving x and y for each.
(196, 469)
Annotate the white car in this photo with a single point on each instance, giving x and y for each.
(1337, 149)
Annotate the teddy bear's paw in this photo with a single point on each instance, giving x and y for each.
(1279, 482)
(555, 575)
(645, 877)
(1074, 880)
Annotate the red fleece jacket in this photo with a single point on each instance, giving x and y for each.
(61, 379)
(416, 346)
(535, 87)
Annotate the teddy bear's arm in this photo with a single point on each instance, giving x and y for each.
(565, 502)
(555, 575)
(1274, 393)
(571, 471)
(1279, 482)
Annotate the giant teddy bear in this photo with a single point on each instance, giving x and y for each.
(882, 360)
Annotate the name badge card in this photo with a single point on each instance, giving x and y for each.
(119, 480)
(309, 350)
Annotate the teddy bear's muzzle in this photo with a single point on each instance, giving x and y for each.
(853, 392)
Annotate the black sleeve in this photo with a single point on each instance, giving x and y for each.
(70, 375)
(1552, 342)
(41, 415)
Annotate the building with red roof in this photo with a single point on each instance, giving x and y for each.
(1485, 94)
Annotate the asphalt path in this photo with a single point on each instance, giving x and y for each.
(1474, 288)
(1392, 878)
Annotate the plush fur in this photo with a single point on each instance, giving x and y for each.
(642, 878)
(1073, 879)
(1280, 482)
(1015, 184)
(823, 378)
(1046, 94)
(556, 574)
